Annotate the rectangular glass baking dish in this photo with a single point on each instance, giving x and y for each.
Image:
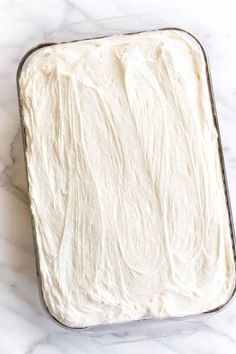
(150, 327)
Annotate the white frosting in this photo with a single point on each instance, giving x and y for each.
(125, 179)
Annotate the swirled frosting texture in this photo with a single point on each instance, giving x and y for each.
(125, 179)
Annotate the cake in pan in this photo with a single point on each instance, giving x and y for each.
(125, 179)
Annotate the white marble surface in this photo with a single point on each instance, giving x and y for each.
(24, 327)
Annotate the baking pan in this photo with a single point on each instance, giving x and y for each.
(116, 328)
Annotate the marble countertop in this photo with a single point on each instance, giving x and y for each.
(24, 327)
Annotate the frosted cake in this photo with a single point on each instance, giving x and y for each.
(125, 180)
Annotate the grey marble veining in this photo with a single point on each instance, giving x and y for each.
(24, 327)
